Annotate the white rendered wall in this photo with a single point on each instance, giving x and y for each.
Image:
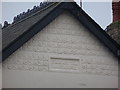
(0, 75)
(64, 54)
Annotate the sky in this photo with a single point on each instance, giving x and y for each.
(101, 12)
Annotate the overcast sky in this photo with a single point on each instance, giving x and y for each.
(101, 12)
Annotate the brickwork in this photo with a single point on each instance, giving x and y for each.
(116, 10)
(64, 39)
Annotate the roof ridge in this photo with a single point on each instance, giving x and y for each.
(30, 12)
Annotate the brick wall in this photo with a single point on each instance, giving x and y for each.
(116, 10)
(64, 46)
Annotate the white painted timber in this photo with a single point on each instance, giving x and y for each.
(64, 54)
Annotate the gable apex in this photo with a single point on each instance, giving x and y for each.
(49, 15)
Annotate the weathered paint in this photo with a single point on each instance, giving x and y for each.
(63, 54)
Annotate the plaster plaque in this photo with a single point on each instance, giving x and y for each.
(64, 64)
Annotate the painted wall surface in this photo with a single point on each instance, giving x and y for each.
(64, 54)
(0, 75)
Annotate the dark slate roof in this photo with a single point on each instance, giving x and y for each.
(114, 31)
(16, 34)
(15, 30)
